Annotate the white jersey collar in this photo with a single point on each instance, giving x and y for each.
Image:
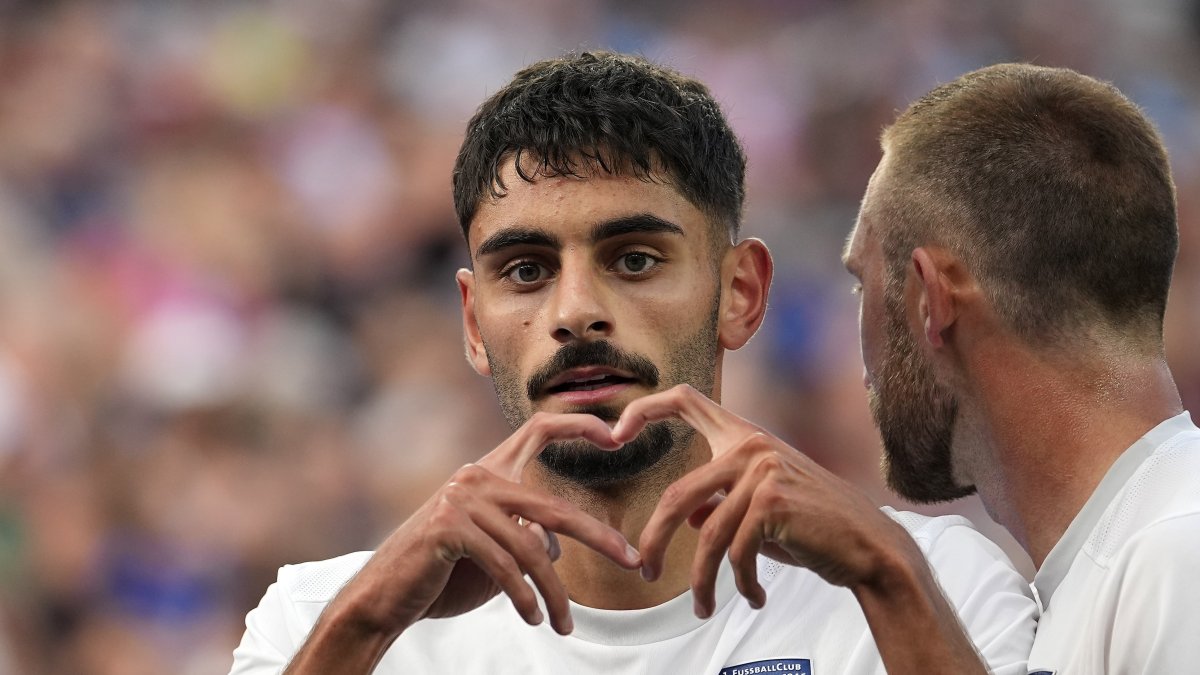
(1056, 565)
(674, 617)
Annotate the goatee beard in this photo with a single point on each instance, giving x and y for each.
(587, 466)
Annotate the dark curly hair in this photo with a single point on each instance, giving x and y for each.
(610, 112)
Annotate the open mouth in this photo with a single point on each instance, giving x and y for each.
(589, 383)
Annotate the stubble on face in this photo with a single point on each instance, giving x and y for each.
(659, 452)
(915, 415)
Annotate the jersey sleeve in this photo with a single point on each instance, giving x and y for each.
(1156, 622)
(265, 647)
(288, 610)
(994, 602)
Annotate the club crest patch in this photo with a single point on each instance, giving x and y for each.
(772, 667)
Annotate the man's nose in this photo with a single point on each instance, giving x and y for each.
(581, 308)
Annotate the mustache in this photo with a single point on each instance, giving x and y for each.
(580, 354)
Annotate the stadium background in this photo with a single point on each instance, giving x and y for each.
(229, 334)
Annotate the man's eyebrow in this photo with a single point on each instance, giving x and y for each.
(640, 223)
(517, 236)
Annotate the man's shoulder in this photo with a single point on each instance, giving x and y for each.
(993, 600)
(320, 581)
(1173, 540)
(1167, 485)
(1158, 500)
(955, 548)
(1181, 450)
(929, 531)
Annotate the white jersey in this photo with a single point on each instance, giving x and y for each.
(806, 627)
(1120, 589)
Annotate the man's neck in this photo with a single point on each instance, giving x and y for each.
(1051, 436)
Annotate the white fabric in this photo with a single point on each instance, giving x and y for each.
(804, 618)
(1119, 589)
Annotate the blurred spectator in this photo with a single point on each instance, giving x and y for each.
(229, 334)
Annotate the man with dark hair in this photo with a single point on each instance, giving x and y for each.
(600, 197)
(1015, 249)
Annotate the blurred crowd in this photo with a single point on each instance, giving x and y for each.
(229, 331)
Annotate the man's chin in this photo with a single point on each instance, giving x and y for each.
(581, 463)
(923, 477)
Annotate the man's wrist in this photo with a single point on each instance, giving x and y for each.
(895, 576)
(346, 637)
(359, 613)
(897, 568)
(913, 623)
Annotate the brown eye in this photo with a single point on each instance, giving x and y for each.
(636, 263)
(526, 273)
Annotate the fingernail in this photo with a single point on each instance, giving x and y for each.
(647, 575)
(632, 555)
(755, 603)
(554, 550)
(568, 625)
(701, 610)
(538, 617)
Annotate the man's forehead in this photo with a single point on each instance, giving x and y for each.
(866, 220)
(852, 250)
(573, 206)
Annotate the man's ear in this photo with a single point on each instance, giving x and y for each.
(472, 339)
(746, 272)
(940, 277)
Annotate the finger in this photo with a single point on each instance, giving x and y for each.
(530, 553)
(548, 539)
(743, 556)
(510, 458)
(679, 500)
(715, 538)
(698, 517)
(503, 568)
(557, 515)
(720, 427)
